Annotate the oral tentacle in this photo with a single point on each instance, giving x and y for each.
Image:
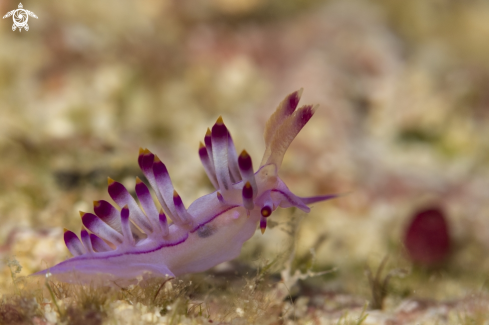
(220, 154)
(246, 169)
(146, 200)
(100, 228)
(208, 165)
(85, 238)
(314, 199)
(286, 199)
(98, 244)
(128, 239)
(163, 224)
(73, 243)
(121, 196)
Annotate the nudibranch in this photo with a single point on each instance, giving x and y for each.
(139, 239)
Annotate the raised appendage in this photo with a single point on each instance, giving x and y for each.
(139, 238)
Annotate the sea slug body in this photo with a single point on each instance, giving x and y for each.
(139, 240)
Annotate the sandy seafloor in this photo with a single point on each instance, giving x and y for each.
(403, 89)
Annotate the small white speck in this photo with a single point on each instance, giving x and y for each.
(240, 312)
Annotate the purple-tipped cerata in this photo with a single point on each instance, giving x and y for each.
(139, 239)
(73, 243)
(98, 244)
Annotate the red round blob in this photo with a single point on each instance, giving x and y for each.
(427, 238)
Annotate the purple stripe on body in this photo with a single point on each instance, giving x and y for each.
(212, 218)
(165, 245)
(159, 247)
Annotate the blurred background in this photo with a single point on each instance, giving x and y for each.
(403, 88)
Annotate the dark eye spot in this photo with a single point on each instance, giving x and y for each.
(205, 231)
